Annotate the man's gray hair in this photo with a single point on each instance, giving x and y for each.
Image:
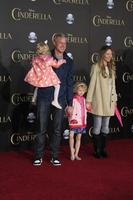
(56, 35)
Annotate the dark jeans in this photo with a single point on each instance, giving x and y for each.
(44, 110)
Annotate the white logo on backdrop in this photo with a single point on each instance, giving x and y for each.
(70, 55)
(110, 4)
(66, 134)
(32, 37)
(31, 117)
(132, 128)
(108, 40)
(70, 18)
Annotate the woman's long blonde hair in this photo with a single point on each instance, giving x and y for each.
(111, 64)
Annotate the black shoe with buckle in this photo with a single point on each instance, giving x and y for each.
(55, 162)
(37, 162)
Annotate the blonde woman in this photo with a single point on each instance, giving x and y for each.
(101, 98)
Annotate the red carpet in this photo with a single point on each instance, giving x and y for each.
(89, 179)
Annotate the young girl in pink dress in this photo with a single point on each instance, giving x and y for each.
(77, 121)
(41, 74)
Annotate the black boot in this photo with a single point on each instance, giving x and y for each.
(97, 146)
(103, 145)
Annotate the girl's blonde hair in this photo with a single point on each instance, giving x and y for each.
(78, 85)
(111, 64)
(42, 48)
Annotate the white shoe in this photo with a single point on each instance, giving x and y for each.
(37, 162)
(56, 104)
(55, 162)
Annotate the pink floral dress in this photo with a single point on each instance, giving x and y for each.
(41, 74)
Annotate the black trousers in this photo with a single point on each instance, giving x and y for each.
(44, 110)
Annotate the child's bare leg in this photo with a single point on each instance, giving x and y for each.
(77, 146)
(34, 95)
(71, 145)
(56, 94)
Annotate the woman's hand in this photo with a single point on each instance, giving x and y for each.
(88, 106)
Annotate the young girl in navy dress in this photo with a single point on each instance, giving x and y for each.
(77, 121)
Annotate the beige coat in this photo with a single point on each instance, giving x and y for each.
(102, 101)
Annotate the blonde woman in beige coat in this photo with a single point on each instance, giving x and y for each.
(101, 98)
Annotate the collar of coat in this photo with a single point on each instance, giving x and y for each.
(78, 97)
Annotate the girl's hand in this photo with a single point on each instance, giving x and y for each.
(69, 110)
(57, 64)
(62, 61)
(88, 106)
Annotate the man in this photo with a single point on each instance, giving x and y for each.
(44, 107)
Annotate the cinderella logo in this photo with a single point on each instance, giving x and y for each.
(110, 4)
(127, 77)
(76, 2)
(5, 78)
(94, 57)
(5, 119)
(17, 138)
(128, 41)
(112, 130)
(79, 78)
(19, 14)
(18, 56)
(129, 5)
(18, 98)
(76, 39)
(5, 36)
(125, 111)
(108, 20)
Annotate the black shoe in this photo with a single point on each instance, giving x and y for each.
(104, 154)
(97, 146)
(97, 154)
(37, 162)
(103, 145)
(55, 162)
